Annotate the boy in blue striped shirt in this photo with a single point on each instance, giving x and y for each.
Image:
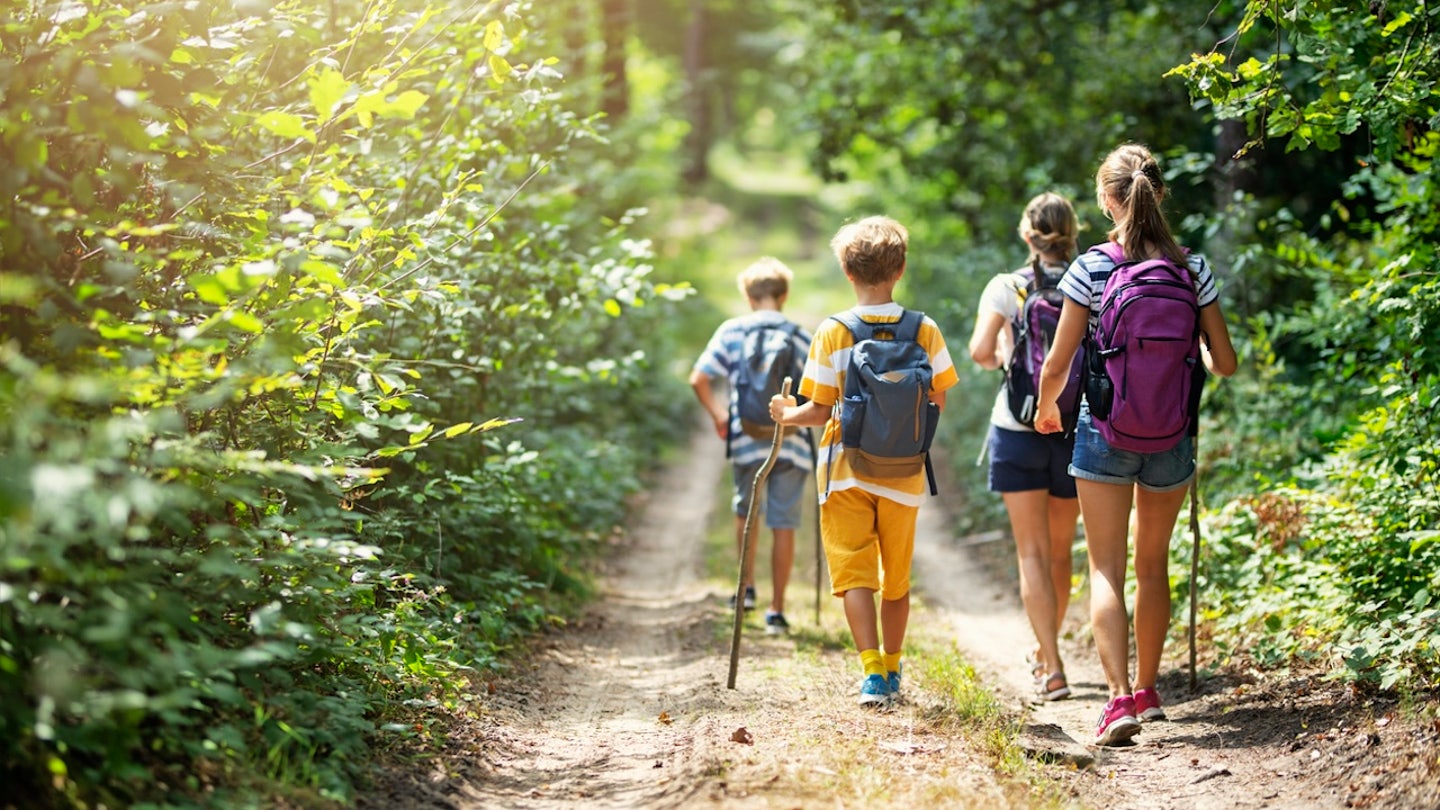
(766, 285)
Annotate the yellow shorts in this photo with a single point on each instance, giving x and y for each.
(869, 541)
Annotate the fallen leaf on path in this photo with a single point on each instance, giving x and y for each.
(664, 718)
(742, 736)
(907, 747)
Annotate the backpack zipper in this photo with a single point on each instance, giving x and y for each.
(919, 406)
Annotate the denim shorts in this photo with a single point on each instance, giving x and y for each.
(1094, 460)
(783, 489)
(1021, 461)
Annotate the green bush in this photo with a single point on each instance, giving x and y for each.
(308, 331)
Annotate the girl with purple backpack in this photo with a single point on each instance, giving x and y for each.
(1110, 478)
(1028, 469)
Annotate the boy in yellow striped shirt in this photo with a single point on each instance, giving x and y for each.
(867, 524)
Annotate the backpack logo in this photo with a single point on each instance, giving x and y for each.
(887, 420)
(1145, 369)
(1034, 329)
(769, 355)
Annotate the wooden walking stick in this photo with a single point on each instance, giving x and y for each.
(819, 550)
(1194, 564)
(747, 538)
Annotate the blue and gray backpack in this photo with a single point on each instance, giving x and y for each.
(887, 420)
(768, 356)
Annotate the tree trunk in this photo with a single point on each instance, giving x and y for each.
(615, 23)
(697, 143)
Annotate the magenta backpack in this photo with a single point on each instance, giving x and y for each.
(1034, 328)
(1145, 371)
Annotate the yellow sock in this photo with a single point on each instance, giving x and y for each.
(873, 662)
(892, 661)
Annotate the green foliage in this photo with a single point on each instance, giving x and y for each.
(308, 330)
(1298, 574)
(1334, 555)
(964, 110)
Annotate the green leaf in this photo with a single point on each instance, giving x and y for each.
(494, 38)
(326, 90)
(285, 125)
(405, 105)
(499, 68)
(1401, 20)
(491, 424)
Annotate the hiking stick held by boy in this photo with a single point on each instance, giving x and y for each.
(876, 379)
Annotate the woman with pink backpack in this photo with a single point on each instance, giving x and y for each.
(1149, 314)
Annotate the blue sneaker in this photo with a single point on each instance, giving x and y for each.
(875, 691)
(894, 679)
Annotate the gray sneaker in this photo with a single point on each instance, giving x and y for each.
(749, 598)
(775, 623)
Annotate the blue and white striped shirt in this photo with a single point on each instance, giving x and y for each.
(721, 358)
(1084, 281)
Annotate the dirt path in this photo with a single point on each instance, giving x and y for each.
(628, 707)
(1237, 742)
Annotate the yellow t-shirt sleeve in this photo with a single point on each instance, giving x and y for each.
(822, 381)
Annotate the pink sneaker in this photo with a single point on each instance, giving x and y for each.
(1117, 721)
(1147, 704)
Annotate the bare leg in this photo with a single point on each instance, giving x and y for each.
(1155, 514)
(1106, 511)
(1064, 515)
(782, 559)
(1030, 524)
(894, 618)
(860, 614)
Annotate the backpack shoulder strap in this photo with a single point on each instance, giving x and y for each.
(859, 328)
(908, 327)
(1110, 250)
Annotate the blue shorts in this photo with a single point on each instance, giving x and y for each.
(1094, 460)
(1021, 461)
(783, 490)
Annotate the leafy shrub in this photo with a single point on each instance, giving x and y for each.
(271, 293)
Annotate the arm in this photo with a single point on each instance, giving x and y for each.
(1215, 347)
(938, 397)
(704, 392)
(1068, 334)
(985, 341)
(785, 412)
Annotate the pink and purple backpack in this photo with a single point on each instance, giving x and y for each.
(1034, 328)
(1145, 368)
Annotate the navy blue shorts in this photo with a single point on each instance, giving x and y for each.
(1021, 461)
